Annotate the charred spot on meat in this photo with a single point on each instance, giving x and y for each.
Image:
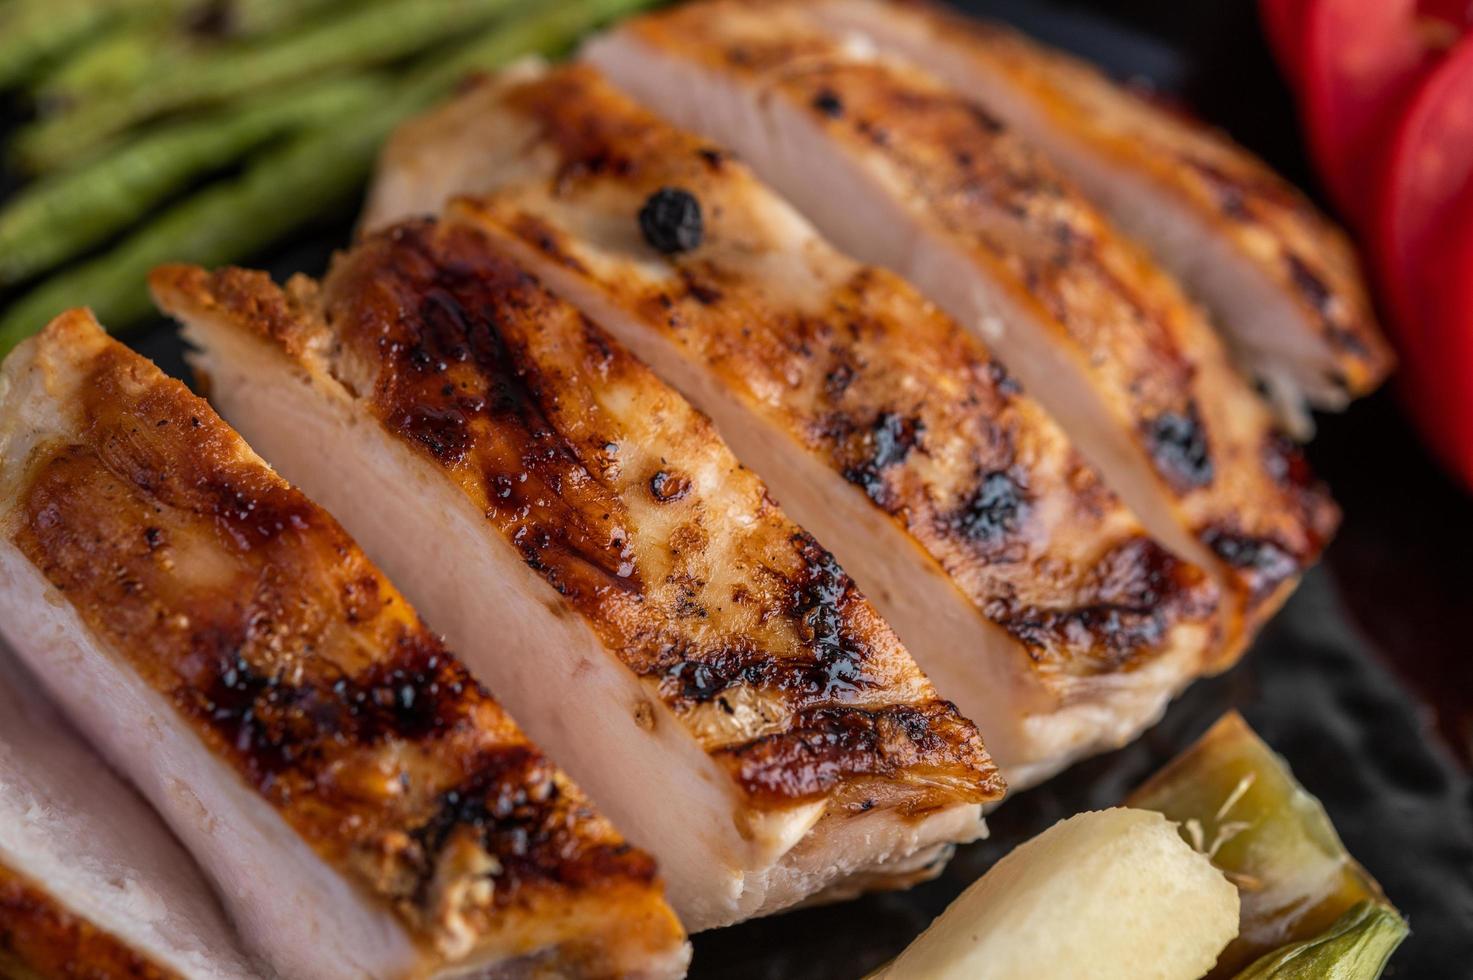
(1179, 449)
(995, 509)
(1266, 563)
(888, 442)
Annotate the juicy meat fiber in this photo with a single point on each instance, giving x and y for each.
(699, 663)
(364, 807)
(91, 882)
(1280, 279)
(1020, 584)
(897, 168)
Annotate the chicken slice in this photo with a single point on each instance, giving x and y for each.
(1280, 279)
(364, 808)
(898, 169)
(1021, 585)
(91, 882)
(699, 663)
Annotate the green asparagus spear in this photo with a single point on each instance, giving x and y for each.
(36, 30)
(121, 58)
(253, 18)
(112, 61)
(59, 217)
(316, 174)
(372, 33)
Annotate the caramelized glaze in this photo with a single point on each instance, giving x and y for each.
(1265, 218)
(252, 612)
(978, 188)
(621, 497)
(41, 940)
(849, 361)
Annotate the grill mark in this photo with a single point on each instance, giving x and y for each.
(266, 675)
(838, 380)
(275, 725)
(993, 512)
(823, 603)
(829, 636)
(443, 330)
(1233, 195)
(889, 440)
(1265, 564)
(1321, 299)
(829, 744)
(1311, 287)
(981, 180)
(545, 239)
(1177, 442)
(1319, 517)
(513, 807)
(246, 666)
(988, 526)
(1135, 593)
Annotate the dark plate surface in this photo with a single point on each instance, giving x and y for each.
(1364, 682)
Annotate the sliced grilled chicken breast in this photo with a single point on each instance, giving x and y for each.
(364, 808)
(92, 884)
(1023, 588)
(896, 168)
(1282, 282)
(697, 661)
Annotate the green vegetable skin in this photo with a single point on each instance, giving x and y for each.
(130, 52)
(60, 217)
(109, 62)
(368, 34)
(1237, 802)
(249, 18)
(32, 31)
(317, 173)
(1356, 947)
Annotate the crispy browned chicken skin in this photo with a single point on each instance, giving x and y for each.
(898, 168)
(41, 939)
(715, 652)
(1281, 280)
(266, 639)
(1022, 585)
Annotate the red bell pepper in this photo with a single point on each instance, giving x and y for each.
(1437, 376)
(1385, 89)
(1283, 25)
(1428, 169)
(1362, 59)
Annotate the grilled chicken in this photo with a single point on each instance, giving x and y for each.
(1280, 279)
(898, 169)
(1023, 588)
(699, 663)
(91, 882)
(365, 809)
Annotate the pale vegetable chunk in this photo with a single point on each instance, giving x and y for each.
(1113, 893)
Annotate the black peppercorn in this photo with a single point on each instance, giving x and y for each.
(828, 102)
(671, 220)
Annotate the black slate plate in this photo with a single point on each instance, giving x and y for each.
(1364, 682)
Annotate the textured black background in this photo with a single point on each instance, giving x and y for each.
(1364, 682)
